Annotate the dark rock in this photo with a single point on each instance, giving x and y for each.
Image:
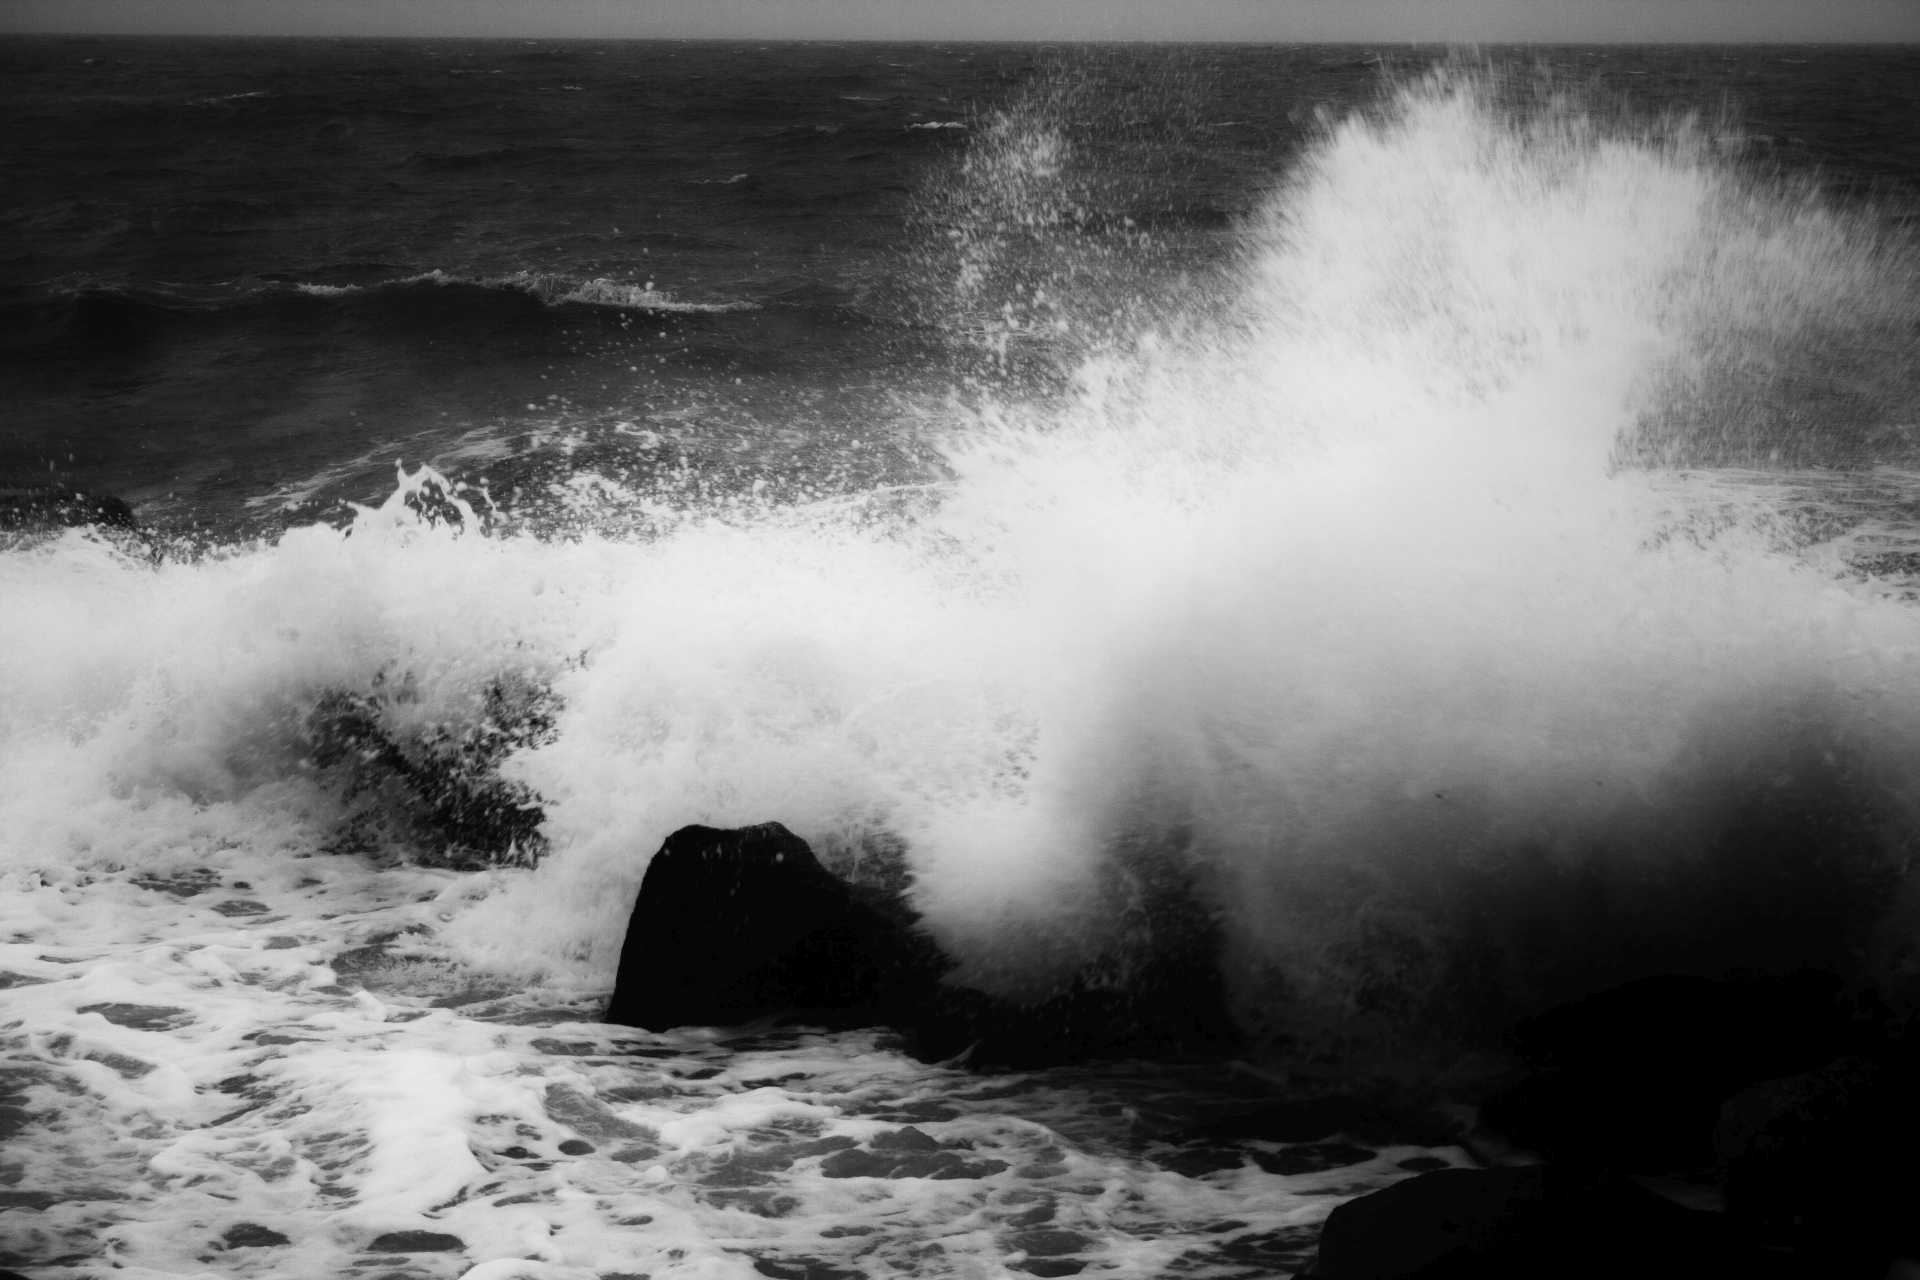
(736, 925)
(442, 780)
(416, 1242)
(1529, 1223)
(1823, 1160)
(1632, 1078)
(1657, 1018)
(732, 926)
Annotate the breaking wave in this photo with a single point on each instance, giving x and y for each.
(1443, 597)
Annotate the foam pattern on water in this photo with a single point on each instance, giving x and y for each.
(289, 1075)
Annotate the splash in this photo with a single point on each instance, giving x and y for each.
(1033, 256)
(1352, 611)
(1336, 604)
(1356, 605)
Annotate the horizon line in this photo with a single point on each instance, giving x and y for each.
(747, 38)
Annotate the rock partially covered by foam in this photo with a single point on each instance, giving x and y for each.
(439, 782)
(734, 925)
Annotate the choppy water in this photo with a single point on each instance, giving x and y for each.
(1462, 538)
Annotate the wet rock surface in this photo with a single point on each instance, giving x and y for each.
(734, 925)
(1751, 1125)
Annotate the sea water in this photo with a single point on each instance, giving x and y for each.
(1475, 571)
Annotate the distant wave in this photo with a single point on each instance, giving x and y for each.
(602, 292)
(101, 315)
(218, 98)
(550, 290)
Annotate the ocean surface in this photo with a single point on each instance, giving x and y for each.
(1453, 515)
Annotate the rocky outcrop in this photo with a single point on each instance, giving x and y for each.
(1757, 1125)
(1530, 1223)
(1632, 1078)
(735, 925)
(1822, 1161)
(440, 783)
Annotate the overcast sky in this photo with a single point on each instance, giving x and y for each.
(1281, 20)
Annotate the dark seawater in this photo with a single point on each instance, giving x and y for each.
(1448, 522)
(241, 278)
